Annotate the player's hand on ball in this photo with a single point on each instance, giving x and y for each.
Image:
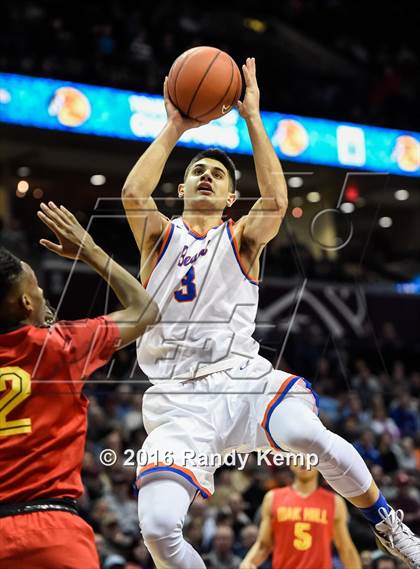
(250, 106)
(175, 117)
(74, 241)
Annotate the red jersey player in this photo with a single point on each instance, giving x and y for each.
(42, 408)
(299, 524)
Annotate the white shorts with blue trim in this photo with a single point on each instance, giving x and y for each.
(192, 424)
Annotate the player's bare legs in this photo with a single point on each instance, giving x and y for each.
(366, 499)
(344, 469)
(163, 505)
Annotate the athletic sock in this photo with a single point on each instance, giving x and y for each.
(372, 514)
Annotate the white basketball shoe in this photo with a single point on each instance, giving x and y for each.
(396, 539)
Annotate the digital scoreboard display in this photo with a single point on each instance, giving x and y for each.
(103, 111)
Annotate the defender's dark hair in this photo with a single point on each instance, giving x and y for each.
(10, 271)
(220, 156)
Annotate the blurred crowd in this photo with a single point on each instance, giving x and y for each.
(376, 411)
(358, 70)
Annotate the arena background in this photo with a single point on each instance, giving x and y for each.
(339, 299)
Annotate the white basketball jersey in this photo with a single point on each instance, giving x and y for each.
(207, 302)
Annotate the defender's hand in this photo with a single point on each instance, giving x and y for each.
(175, 117)
(250, 106)
(247, 565)
(74, 241)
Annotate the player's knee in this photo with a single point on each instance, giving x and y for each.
(291, 434)
(160, 526)
(295, 439)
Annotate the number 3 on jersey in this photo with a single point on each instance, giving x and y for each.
(20, 389)
(188, 290)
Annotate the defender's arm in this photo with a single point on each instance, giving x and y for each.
(139, 310)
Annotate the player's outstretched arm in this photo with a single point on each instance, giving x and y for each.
(146, 223)
(265, 217)
(74, 242)
(262, 548)
(342, 538)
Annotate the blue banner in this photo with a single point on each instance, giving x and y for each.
(103, 111)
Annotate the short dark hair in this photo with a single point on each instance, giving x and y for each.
(10, 271)
(220, 156)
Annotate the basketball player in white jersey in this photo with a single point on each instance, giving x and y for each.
(212, 392)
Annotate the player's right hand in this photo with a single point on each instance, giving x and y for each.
(180, 122)
(74, 241)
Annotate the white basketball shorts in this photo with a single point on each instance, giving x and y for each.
(191, 424)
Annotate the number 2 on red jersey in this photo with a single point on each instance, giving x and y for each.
(19, 382)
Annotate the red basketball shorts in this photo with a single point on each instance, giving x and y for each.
(47, 540)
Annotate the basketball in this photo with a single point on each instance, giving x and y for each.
(204, 83)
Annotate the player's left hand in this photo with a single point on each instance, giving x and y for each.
(250, 106)
(74, 241)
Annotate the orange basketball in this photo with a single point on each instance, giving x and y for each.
(204, 83)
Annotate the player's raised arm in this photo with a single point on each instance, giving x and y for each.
(265, 217)
(262, 548)
(146, 222)
(342, 538)
(139, 309)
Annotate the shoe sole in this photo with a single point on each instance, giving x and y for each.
(385, 549)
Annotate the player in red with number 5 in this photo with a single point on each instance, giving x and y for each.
(42, 408)
(299, 523)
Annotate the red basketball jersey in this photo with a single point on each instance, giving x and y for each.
(42, 409)
(302, 529)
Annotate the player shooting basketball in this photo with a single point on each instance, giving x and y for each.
(212, 391)
(43, 413)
